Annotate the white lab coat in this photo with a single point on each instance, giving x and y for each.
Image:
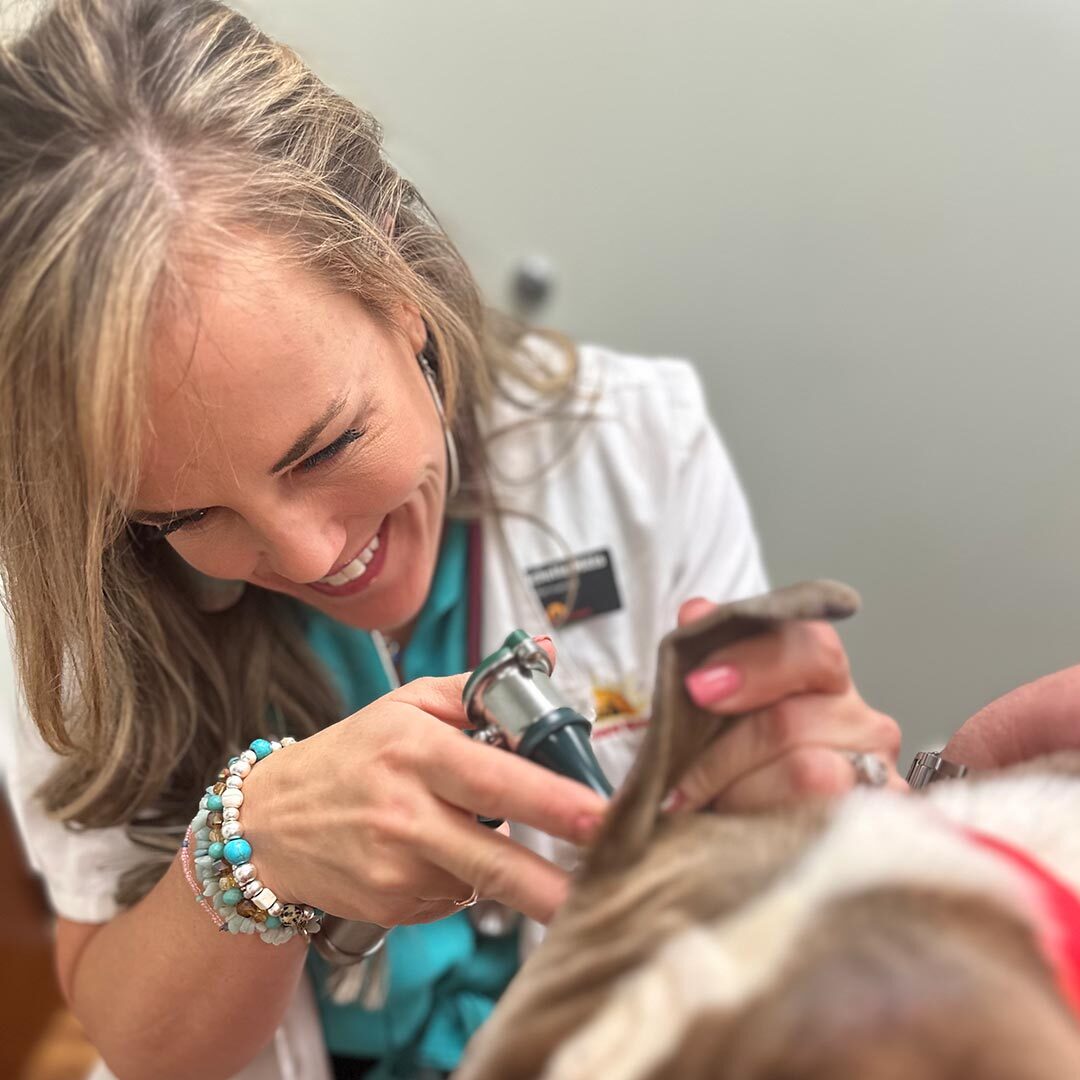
(633, 466)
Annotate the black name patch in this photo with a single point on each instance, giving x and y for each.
(594, 577)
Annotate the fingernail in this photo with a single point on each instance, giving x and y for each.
(542, 639)
(588, 825)
(674, 800)
(709, 686)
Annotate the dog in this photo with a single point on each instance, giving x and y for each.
(884, 936)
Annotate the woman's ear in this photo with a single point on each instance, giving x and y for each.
(413, 326)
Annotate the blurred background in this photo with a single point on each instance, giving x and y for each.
(860, 219)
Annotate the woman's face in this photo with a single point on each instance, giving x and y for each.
(292, 442)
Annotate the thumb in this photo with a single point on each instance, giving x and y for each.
(696, 608)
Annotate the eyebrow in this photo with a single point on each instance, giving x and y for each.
(298, 449)
(310, 434)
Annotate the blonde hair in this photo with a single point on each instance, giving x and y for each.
(133, 133)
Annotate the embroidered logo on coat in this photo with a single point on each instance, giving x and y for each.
(618, 708)
(576, 588)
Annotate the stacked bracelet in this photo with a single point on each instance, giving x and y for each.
(227, 880)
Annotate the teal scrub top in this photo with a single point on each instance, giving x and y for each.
(444, 980)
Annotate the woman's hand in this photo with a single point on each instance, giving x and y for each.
(804, 719)
(1035, 719)
(374, 818)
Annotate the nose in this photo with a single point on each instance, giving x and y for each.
(298, 548)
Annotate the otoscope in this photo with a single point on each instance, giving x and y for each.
(511, 703)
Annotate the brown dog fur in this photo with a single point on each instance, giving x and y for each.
(883, 984)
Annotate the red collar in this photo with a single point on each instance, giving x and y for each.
(1059, 927)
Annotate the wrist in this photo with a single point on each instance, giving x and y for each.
(265, 822)
(223, 873)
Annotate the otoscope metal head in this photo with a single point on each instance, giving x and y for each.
(511, 702)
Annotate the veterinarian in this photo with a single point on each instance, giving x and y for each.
(272, 478)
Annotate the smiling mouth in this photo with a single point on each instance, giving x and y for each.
(360, 571)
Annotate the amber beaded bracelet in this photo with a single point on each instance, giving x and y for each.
(224, 877)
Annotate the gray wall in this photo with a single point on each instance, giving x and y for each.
(859, 218)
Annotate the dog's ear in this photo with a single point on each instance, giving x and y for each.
(680, 730)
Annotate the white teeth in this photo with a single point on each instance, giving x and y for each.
(353, 570)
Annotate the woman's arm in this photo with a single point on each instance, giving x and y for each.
(162, 993)
(1037, 718)
(373, 818)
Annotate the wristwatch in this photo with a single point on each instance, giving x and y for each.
(929, 766)
(347, 941)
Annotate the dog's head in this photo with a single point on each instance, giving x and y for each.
(876, 939)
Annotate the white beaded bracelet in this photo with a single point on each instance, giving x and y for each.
(225, 878)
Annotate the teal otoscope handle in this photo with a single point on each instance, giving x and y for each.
(560, 742)
(512, 703)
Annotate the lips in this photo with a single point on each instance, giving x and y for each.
(357, 574)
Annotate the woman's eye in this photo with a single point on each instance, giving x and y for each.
(181, 523)
(327, 452)
(191, 521)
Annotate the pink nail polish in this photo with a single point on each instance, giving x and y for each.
(709, 686)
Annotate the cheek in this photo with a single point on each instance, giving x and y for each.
(218, 556)
(375, 489)
(402, 459)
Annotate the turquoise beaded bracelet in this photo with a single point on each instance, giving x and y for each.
(225, 879)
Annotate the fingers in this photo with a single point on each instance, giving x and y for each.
(420, 910)
(498, 867)
(407, 910)
(441, 697)
(695, 608)
(808, 773)
(493, 783)
(842, 722)
(548, 646)
(802, 774)
(390, 882)
(796, 658)
(417, 880)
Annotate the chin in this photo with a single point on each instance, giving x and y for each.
(385, 615)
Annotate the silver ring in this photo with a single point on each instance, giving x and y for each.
(870, 770)
(469, 901)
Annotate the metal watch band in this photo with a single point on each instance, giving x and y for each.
(929, 766)
(344, 941)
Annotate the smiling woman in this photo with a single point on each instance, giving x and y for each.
(250, 410)
(174, 199)
(291, 440)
